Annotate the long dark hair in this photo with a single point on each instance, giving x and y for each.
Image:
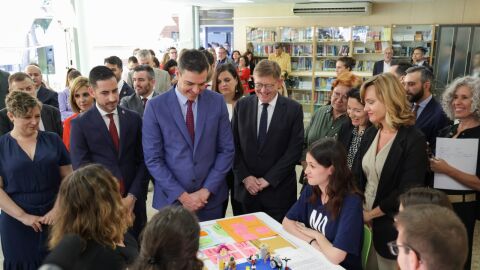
(170, 241)
(328, 152)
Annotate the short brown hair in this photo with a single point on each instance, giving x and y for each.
(425, 195)
(20, 103)
(391, 93)
(18, 77)
(436, 234)
(91, 207)
(267, 68)
(78, 83)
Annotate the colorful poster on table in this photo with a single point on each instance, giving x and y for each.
(246, 228)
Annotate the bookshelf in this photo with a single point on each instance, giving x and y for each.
(406, 37)
(315, 50)
(368, 43)
(262, 40)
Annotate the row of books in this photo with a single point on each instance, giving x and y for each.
(334, 34)
(291, 34)
(299, 49)
(300, 96)
(321, 98)
(323, 84)
(261, 35)
(417, 36)
(301, 63)
(364, 65)
(325, 65)
(406, 51)
(333, 50)
(262, 50)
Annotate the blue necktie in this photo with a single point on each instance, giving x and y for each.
(262, 130)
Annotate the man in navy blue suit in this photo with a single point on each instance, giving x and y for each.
(111, 136)
(430, 115)
(188, 143)
(45, 95)
(115, 64)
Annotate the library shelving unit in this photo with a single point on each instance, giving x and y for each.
(262, 40)
(368, 43)
(406, 37)
(331, 43)
(298, 43)
(315, 50)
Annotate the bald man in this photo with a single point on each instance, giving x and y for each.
(45, 95)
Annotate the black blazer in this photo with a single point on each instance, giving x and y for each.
(432, 120)
(126, 90)
(378, 68)
(47, 96)
(405, 167)
(276, 159)
(50, 118)
(345, 137)
(3, 87)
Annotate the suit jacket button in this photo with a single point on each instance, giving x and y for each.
(193, 180)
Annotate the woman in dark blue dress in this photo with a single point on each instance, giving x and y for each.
(32, 164)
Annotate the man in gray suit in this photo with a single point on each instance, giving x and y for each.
(162, 78)
(143, 82)
(3, 87)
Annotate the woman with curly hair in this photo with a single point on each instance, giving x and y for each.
(170, 241)
(461, 101)
(91, 229)
(392, 158)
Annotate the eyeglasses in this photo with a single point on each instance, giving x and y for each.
(338, 95)
(394, 249)
(269, 87)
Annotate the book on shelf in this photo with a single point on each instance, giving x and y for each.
(301, 63)
(292, 34)
(333, 50)
(364, 65)
(418, 36)
(299, 49)
(324, 84)
(299, 83)
(321, 98)
(329, 65)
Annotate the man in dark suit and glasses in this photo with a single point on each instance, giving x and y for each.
(49, 116)
(268, 134)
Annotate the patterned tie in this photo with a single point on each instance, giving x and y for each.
(112, 129)
(190, 121)
(262, 130)
(144, 102)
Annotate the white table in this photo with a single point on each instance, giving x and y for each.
(304, 257)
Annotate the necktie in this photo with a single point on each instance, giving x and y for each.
(262, 129)
(190, 121)
(144, 102)
(415, 109)
(112, 129)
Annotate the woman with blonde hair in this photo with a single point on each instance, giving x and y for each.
(392, 159)
(80, 100)
(91, 229)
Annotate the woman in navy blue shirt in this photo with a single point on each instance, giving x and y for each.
(329, 214)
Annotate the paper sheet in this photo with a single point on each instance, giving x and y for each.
(459, 153)
(246, 228)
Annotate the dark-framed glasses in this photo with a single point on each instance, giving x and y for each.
(395, 249)
(269, 87)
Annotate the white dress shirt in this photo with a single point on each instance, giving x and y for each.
(106, 119)
(270, 109)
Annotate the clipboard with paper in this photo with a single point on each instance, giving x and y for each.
(459, 153)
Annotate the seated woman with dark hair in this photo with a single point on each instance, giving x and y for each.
(91, 229)
(328, 214)
(170, 241)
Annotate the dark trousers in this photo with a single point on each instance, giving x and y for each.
(466, 211)
(140, 212)
(237, 208)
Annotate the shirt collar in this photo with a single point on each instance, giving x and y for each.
(148, 97)
(104, 113)
(181, 98)
(120, 85)
(272, 103)
(424, 103)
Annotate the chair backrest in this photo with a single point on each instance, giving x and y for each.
(367, 242)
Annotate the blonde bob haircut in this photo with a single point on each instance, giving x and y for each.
(91, 207)
(76, 84)
(391, 93)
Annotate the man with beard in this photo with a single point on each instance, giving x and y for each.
(430, 116)
(143, 82)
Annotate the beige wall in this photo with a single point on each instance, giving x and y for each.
(425, 12)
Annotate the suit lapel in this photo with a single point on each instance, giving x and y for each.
(122, 119)
(394, 157)
(100, 123)
(177, 116)
(202, 105)
(425, 115)
(45, 119)
(253, 119)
